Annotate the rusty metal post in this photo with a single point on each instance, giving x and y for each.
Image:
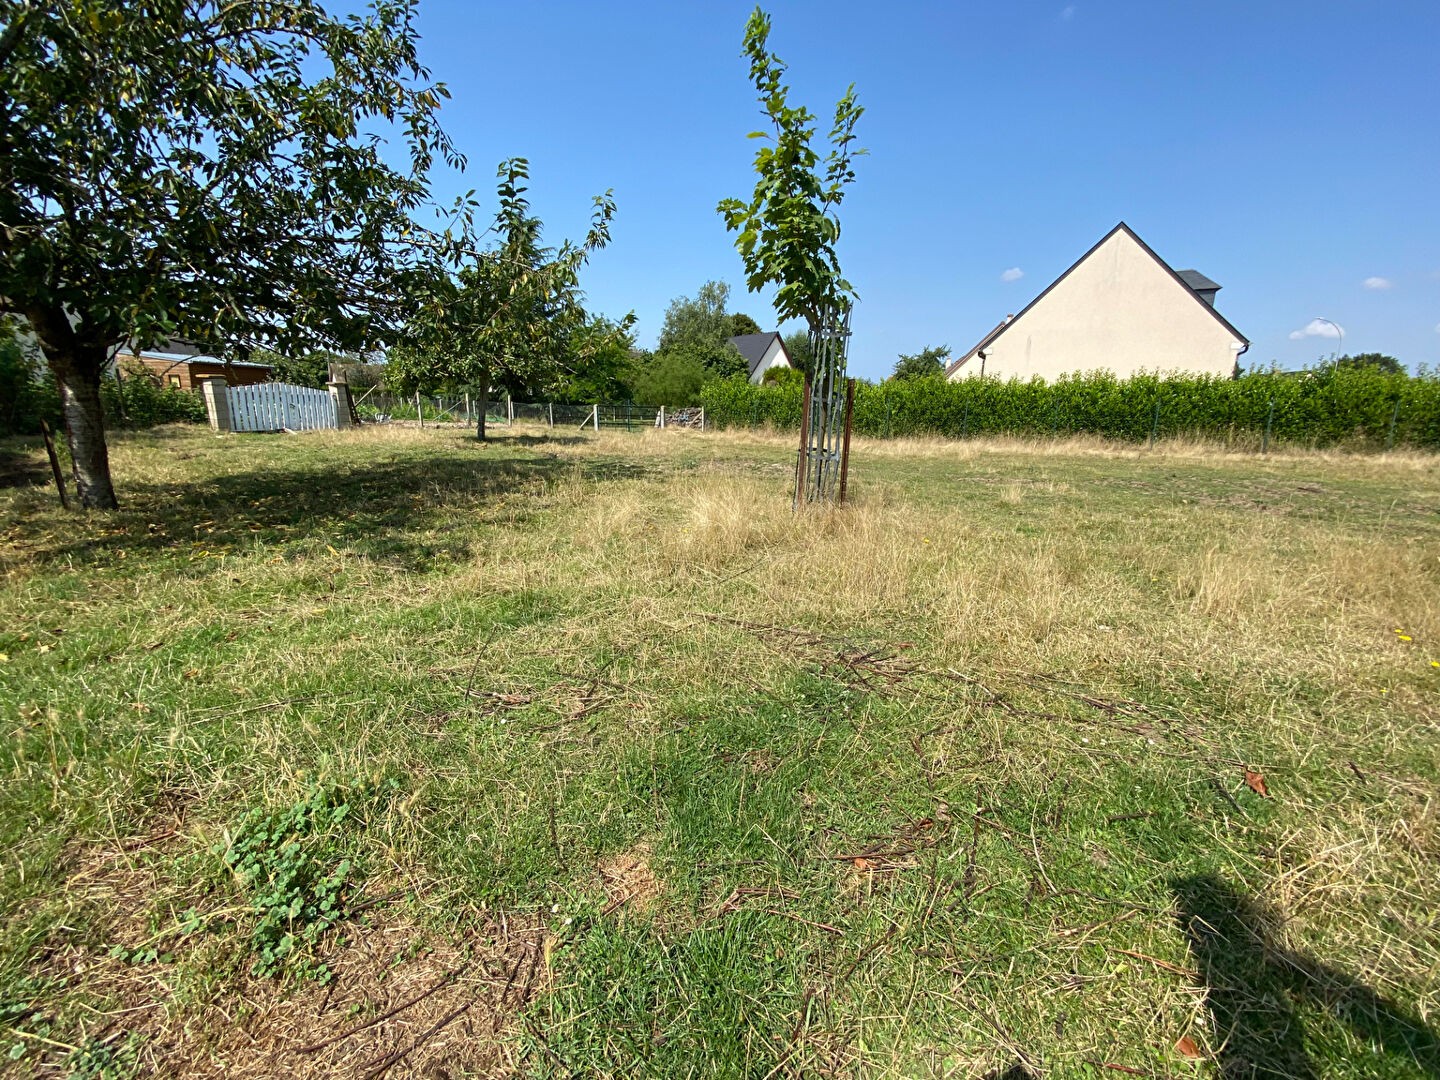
(54, 464)
(802, 464)
(845, 445)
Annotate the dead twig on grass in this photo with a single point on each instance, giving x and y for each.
(445, 980)
(397, 1056)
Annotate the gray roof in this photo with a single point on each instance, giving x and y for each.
(192, 358)
(753, 347)
(1197, 281)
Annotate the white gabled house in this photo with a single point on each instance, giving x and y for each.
(1119, 308)
(762, 352)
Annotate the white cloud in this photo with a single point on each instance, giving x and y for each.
(1437, 328)
(1317, 328)
(1013, 274)
(1378, 283)
(1067, 12)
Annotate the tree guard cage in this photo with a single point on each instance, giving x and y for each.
(825, 424)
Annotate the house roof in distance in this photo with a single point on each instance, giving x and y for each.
(1197, 281)
(753, 347)
(1193, 290)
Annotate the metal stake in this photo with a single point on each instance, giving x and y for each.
(800, 463)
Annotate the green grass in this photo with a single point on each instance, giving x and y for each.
(949, 783)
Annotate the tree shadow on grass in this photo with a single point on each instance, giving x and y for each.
(401, 511)
(22, 463)
(1255, 987)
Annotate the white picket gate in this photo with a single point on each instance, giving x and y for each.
(273, 406)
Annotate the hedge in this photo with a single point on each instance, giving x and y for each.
(1322, 407)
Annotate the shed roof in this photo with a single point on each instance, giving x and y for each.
(193, 358)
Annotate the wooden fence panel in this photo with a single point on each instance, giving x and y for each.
(280, 406)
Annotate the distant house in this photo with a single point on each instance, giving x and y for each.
(762, 352)
(1119, 308)
(185, 370)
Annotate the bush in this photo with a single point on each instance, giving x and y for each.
(1321, 407)
(27, 392)
(146, 403)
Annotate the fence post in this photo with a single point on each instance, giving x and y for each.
(509, 411)
(845, 445)
(54, 463)
(217, 403)
(419, 412)
(1269, 419)
(702, 417)
(595, 416)
(1390, 435)
(1154, 424)
(661, 418)
(340, 396)
(469, 416)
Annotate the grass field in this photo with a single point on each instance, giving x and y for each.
(386, 753)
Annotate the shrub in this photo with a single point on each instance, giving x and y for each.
(27, 392)
(146, 403)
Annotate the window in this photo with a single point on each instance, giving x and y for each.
(175, 381)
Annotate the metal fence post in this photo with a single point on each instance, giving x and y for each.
(845, 445)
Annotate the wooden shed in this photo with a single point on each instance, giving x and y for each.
(184, 372)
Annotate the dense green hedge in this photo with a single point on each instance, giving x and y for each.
(1318, 408)
(25, 401)
(147, 403)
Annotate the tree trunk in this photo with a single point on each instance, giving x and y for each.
(77, 365)
(85, 431)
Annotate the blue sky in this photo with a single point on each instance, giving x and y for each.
(1289, 151)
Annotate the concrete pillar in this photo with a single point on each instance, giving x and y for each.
(340, 395)
(217, 403)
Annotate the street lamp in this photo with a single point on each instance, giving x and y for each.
(1340, 333)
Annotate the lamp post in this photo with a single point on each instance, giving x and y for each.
(1340, 333)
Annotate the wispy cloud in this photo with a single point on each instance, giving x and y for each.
(1013, 274)
(1317, 328)
(1067, 13)
(1437, 328)
(1378, 283)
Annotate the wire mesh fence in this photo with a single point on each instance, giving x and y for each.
(383, 406)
